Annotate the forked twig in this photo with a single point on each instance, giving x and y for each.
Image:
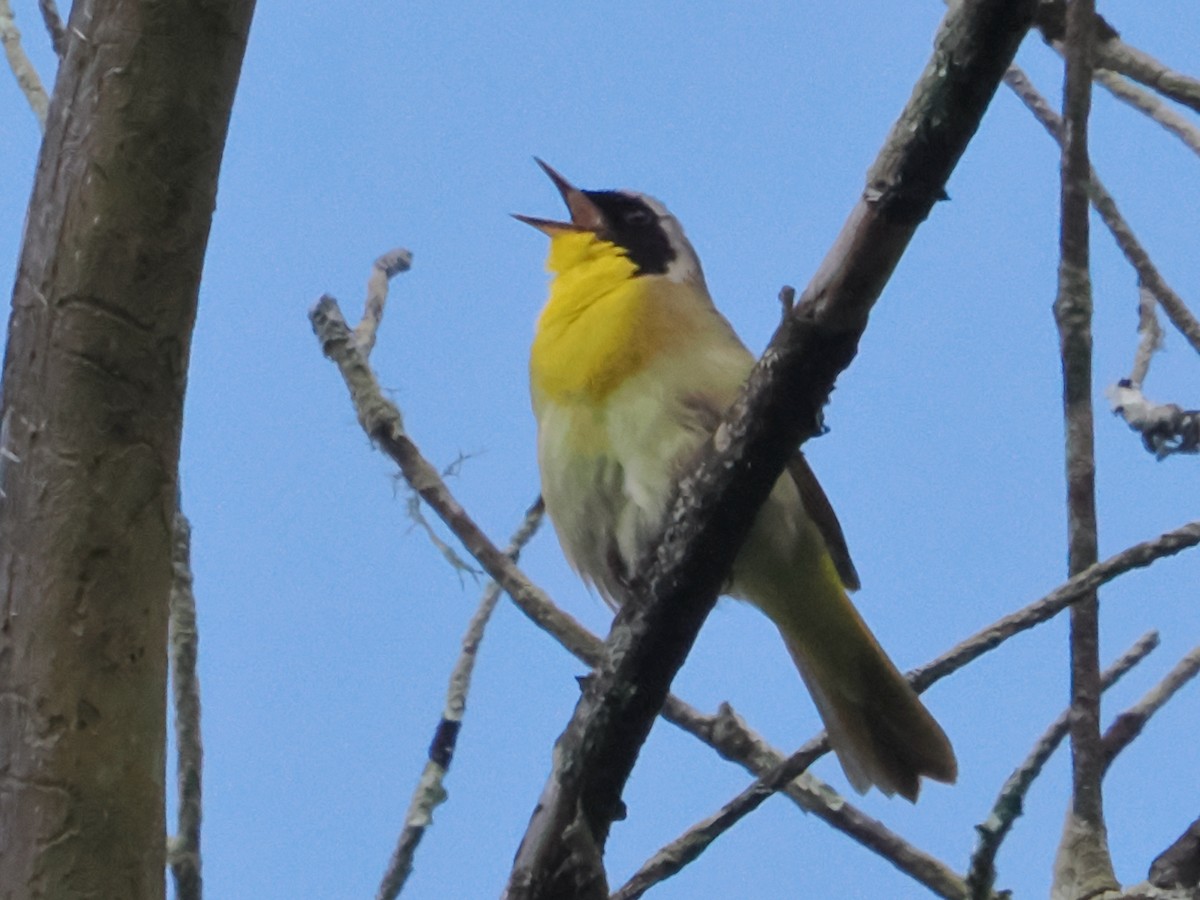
(1129, 724)
(1009, 805)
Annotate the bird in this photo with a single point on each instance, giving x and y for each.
(631, 369)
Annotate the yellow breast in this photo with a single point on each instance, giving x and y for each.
(602, 324)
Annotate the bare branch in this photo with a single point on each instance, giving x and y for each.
(381, 420)
(1173, 305)
(1009, 805)
(386, 267)
(1086, 582)
(1145, 102)
(183, 850)
(1120, 57)
(22, 67)
(1129, 724)
(430, 793)
(1150, 336)
(811, 794)
(54, 27)
(1085, 867)
(1112, 57)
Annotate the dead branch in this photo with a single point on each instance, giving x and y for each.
(430, 792)
(1084, 865)
(1173, 305)
(1009, 805)
(1129, 724)
(22, 68)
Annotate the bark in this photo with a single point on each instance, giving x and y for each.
(93, 385)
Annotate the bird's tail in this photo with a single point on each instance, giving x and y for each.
(883, 735)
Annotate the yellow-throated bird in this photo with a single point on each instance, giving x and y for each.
(632, 368)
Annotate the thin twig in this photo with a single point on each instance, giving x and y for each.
(1129, 724)
(54, 27)
(459, 565)
(385, 268)
(1145, 102)
(1136, 557)
(1150, 336)
(811, 794)
(430, 792)
(1084, 863)
(381, 420)
(1009, 805)
(1118, 56)
(26, 75)
(1173, 305)
(183, 851)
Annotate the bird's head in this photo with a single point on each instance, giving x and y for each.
(639, 225)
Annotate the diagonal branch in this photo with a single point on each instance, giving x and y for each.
(1118, 56)
(22, 68)
(561, 852)
(1148, 275)
(430, 793)
(1009, 805)
(54, 26)
(1145, 102)
(1129, 724)
(812, 795)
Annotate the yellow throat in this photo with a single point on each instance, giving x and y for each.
(602, 323)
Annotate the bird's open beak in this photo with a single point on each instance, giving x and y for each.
(585, 215)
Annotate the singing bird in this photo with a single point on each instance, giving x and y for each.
(631, 369)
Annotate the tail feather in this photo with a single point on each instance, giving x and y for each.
(881, 732)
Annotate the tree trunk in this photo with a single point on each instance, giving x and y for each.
(94, 378)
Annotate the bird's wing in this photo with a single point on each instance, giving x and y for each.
(819, 509)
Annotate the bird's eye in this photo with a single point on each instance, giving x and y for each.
(637, 216)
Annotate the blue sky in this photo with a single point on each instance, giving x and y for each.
(329, 624)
